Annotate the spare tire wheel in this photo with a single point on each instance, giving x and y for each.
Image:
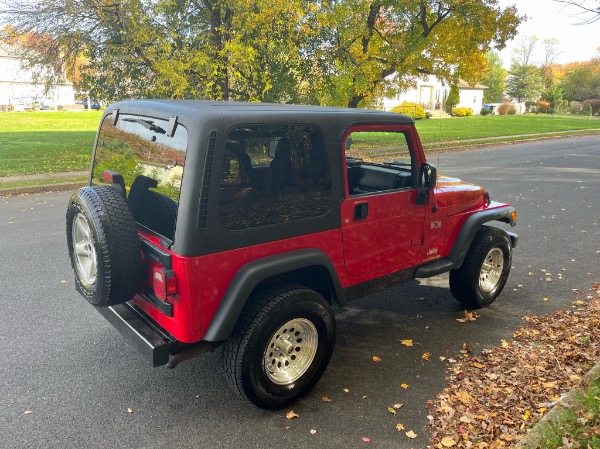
(103, 245)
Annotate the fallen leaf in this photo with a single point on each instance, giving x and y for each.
(346, 390)
(406, 342)
(469, 316)
(399, 427)
(366, 439)
(28, 412)
(411, 434)
(292, 414)
(63, 281)
(405, 386)
(129, 410)
(392, 411)
(546, 299)
(313, 431)
(376, 359)
(326, 399)
(397, 406)
(448, 442)
(426, 356)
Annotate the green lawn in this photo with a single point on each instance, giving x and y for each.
(47, 142)
(480, 127)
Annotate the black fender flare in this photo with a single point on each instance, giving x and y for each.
(465, 238)
(250, 275)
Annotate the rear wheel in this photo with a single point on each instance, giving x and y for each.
(103, 246)
(484, 272)
(281, 346)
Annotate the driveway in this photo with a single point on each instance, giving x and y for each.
(86, 388)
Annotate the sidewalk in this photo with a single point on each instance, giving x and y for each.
(42, 182)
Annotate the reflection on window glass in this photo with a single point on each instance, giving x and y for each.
(272, 175)
(151, 164)
(139, 146)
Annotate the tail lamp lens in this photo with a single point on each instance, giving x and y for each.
(164, 282)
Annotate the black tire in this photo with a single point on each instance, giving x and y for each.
(475, 285)
(107, 264)
(247, 364)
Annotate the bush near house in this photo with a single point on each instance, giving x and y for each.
(542, 106)
(413, 110)
(485, 111)
(507, 108)
(594, 103)
(462, 112)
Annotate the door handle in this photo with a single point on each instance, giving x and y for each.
(361, 210)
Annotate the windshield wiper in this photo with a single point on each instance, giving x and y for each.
(148, 124)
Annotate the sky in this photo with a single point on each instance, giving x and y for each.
(550, 19)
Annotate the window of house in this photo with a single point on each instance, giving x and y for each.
(273, 174)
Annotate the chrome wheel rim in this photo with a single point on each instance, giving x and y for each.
(291, 351)
(84, 252)
(491, 270)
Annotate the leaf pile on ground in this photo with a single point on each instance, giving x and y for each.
(493, 399)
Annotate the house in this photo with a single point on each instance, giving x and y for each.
(430, 93)
(19, 88)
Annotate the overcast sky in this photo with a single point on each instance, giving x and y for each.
(548, 19)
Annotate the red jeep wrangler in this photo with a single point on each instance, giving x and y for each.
(235, 224)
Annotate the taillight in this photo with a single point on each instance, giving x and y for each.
(164, 283)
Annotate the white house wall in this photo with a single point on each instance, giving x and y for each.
(428, 92)
(18, 86)
(472, 99)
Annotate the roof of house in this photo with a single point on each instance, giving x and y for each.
(462, 84)
(8, 51)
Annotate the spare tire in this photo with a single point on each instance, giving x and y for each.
(103, 245)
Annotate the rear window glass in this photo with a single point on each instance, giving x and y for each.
(151, 163)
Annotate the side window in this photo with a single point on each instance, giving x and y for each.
(151, 162)
(378, 161)
(273, 175)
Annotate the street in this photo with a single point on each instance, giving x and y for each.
(67, 378)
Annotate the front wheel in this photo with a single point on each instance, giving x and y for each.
(281, 346)
(484, 272)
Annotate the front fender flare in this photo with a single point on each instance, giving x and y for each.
(250, 275)
(465, 237)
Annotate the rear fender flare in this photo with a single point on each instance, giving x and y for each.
(252, 274)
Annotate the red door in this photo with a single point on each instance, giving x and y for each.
(381, 224)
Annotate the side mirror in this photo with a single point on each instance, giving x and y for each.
(427, 182)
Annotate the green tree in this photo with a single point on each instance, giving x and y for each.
(342, 52)
(524, 83)
(495, 79)
(367, 47)
(582, 80)
(453, 98)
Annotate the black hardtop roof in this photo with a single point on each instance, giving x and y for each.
(193, 109)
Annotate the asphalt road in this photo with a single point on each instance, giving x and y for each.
(77, 376)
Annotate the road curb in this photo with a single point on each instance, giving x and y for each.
(534, 437)
(42, 188)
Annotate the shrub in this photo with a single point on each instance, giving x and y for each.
(413, 110)
(461, 112)
(507, 108)
(485, 111)
(530, 106)
(594, 104)
(561, 106)
(543, 106)
(575, 107)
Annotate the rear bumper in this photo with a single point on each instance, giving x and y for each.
(154, 347)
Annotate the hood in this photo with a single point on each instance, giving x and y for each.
(460, 196)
